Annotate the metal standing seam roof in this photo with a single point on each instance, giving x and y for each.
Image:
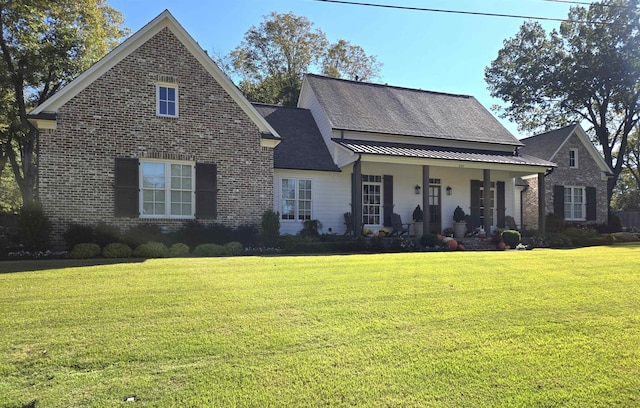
(440, 153)
(378, 108)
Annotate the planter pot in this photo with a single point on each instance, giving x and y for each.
(417, 229)
(459, 229)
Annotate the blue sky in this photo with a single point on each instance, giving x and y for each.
(426, 50)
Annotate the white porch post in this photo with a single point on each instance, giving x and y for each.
(426, 209)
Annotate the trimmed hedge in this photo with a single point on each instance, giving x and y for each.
(151, 250)
(511, 238)
(85, 251)
(117, 250)
(209, 250)
(178, 250)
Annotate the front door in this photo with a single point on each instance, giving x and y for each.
(435, 209)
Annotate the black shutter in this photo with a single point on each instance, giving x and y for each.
(500, 203)
(475, 204)
(206, 190)
(558, 201)
(126, 188)
(387, 199)
(591, 203)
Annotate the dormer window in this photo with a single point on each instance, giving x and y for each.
(573, 158)
(167, 100)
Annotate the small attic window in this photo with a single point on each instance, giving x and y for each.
(573, 158)
(167, 99)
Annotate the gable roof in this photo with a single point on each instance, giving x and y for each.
(377, 108)
(547, 145)
(302, 146)
(162, 21)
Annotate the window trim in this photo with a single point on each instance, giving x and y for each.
(373, 180)
(296, 200)
(583, 204)
(166, 85)
(167, 190)
(575, 158)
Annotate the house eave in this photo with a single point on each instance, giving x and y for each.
(43, 121)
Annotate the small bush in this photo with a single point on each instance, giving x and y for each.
(106, 234)
(210, 250)
(77, 234)
(34, 227)
(151, 250)
(233, 248)
(117, 250)
(625, 237)
(85, 251)
(581, 237)
(310, 229)
(178, 250)
(511, 238)
(143, 233)
(270, 228)
(429, 240)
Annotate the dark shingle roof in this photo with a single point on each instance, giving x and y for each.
(545, 145)
(376, 108)
(441, 153)
(302, 146)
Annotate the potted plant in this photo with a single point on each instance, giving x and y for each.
(417, 222)
(459, 223)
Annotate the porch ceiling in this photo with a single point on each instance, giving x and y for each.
(446, 156)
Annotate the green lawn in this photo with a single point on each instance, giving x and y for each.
(540, 328)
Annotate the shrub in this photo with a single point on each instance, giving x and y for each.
(270, 228)
(248, 235)
(34, 227)
(430, 240)
(117, 250)
(178, 250)
(581, 237)
(233, 248)
(458, 214)
(76, 234)
(310, 229)
(625, 237)
(143, 233)
(85, 251)
(151, 250)
(210, 250)
(511, 238)
(106, 234)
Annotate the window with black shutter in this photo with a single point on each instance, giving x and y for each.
(126, 187)
(206, 190)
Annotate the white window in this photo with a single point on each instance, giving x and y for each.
(371, 200)
(574, 203)
(573, 158)
(295, 199)
(167, 189)
(167, 100)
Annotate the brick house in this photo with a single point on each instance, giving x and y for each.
(153, 132)
(577, 186)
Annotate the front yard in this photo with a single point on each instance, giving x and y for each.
(450, 329)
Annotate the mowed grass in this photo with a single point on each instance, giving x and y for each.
(538, 328)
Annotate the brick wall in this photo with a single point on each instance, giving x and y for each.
(588, 174)
(115, 116)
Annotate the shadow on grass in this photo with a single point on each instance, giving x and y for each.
(51, 264)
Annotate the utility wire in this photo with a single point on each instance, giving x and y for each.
(472, 13)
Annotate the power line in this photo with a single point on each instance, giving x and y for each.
(471, 13)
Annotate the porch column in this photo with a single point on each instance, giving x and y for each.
(488, 214)
(356, 199)
(541, 205)
(426, 209)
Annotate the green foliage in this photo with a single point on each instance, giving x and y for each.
(589, 70)
(310, 229)
(458, 214)
(143, 233)
(178, 250)
(233, 248)
(270, 228)
(417, 214)
(151, 250)
(511, 238)
(117, 250)
(273, 57)
(34, 227)
(626, 237)
(86, 250)
(430, 240)
(106, 234)
(194, 233)
(210, 250)
(76, 234)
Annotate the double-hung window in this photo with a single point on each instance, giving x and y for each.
(167, 100)
(371, 199)
(295, 199)
(574, 203)
(167, 189)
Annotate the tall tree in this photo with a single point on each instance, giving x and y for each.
(273, 57)
(344, 60)
(587, 71)
(45, 44)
